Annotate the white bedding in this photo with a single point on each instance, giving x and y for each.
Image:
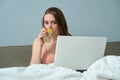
(107, 68)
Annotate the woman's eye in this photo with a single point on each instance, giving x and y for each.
(46, 22)
(55, 22)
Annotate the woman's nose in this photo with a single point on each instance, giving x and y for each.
(50, 26)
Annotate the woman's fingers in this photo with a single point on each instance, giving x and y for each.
(42, 33)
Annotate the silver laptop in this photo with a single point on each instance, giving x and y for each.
(79, 52)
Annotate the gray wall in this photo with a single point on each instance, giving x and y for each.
(20, 20)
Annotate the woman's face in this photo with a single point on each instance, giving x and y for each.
(50, 22)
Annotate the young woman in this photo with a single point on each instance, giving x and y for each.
(44, 52)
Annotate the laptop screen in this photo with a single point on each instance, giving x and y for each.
(79, 52)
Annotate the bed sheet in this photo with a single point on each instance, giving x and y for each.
(107, 68)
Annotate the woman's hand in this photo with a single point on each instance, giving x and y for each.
(41, 35)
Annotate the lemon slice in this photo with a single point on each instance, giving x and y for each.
(50, 31)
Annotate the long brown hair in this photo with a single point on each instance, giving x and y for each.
(60, 19)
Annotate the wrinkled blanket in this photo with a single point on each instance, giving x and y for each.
(107, 68)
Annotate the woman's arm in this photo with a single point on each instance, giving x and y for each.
(37, 47)
(36, 51)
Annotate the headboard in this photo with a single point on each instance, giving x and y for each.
(20, 55)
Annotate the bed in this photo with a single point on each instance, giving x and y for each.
(14, 63)
(107, 68)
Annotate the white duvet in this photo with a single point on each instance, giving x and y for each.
(107, 68)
